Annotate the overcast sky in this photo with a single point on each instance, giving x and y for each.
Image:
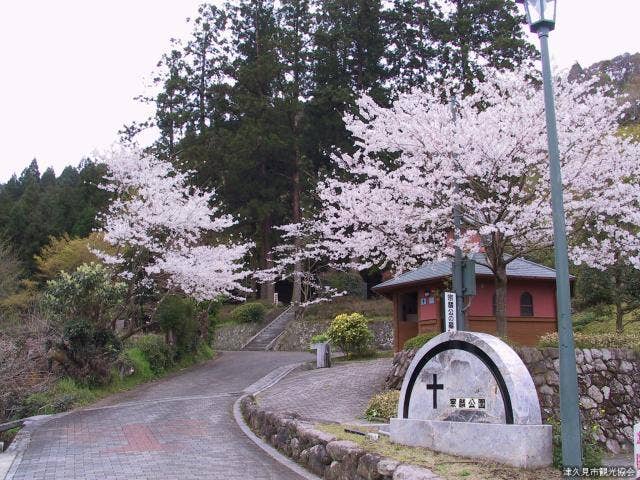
(71, 68)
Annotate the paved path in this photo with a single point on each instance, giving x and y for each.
(336, 394)
(179, 428)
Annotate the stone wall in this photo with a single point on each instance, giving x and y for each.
(608, 380)
(297, 336)
(232, 336)
(322, 453)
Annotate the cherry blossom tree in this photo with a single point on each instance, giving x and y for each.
(301, 259)
(391, 203)
(169, 236)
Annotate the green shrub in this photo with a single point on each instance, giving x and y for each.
(350, 333)
(159, 355)
(419, 340)
(349, 282)
(203, 353)
(592, 453)
(601, 340)
(319, 338)
(177, 316)
(86, 352)
(66, 254)
(89, 292)
(249, 313)
(383, 406)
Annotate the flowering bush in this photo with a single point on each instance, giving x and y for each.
(350, 333)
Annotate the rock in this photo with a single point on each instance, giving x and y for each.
(588, 403)
(587, 356)
(546, 390)
(596, 353)
(613, 446)
(318, 459)
(606, 354)
(599, 365)
(387, 466)
(334, 471)
(617, 387)
(595, 394)
(409, 472)
(338, 450)
(368, 466)
(606, 391)
(538, 379)
(294, 448)
(552, 378)
(626, 367)
(310, 437)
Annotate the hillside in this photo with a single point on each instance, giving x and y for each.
(623, 74)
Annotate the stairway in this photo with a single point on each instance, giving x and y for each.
(266, 338)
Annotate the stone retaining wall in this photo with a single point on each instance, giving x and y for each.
(297, 336)
(608, 380)
(232, 336)
(321, 452)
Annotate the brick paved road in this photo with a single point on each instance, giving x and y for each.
(338, 394)
(180, 428)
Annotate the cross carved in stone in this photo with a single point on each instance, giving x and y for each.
(435, 387)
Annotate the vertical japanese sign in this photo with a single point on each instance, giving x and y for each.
(450, 312)
(636, 449)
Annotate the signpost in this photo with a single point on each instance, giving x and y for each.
(450, 312)
(636, 449)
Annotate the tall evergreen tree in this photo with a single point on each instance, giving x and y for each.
(445, 41)
(295, 23)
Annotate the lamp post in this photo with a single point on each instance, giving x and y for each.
(541, 15)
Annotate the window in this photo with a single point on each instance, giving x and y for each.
(526, 305)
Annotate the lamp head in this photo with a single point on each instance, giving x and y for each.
(540, 13)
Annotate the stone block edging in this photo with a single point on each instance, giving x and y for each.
(322, 453)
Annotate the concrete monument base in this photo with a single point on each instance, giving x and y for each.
(523, 446)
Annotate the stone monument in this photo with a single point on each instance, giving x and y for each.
(470, 394)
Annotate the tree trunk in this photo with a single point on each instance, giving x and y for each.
(296, 296)
(267, 289)
(617, 293)
(501, 298)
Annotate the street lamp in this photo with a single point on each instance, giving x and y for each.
(541, 15)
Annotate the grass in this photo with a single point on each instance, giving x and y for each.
(67, 394)
(7, 436)
(448, 467)
(376, 310)
(364, 357)
(602, 319)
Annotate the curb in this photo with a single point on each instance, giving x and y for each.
(254, 389)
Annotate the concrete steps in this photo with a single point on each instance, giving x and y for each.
(265, 339)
